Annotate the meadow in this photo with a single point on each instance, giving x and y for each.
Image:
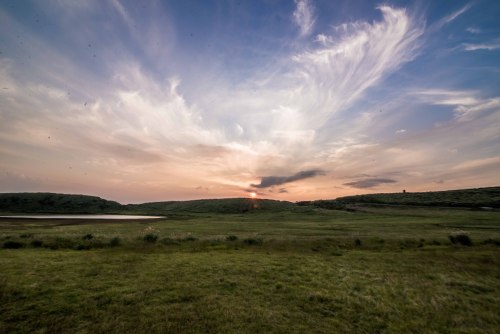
(307, 270)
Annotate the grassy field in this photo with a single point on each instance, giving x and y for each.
(375, 270)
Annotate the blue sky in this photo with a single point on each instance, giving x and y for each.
(156, 100)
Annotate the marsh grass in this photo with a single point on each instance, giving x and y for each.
(308, 274)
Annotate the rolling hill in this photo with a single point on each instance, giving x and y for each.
(467, 198)
(56, 203)
(64, 203)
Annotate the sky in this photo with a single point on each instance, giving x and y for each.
(141, 101)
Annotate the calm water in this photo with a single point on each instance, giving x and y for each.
(83, 217)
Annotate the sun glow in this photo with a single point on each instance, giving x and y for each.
(253, 195)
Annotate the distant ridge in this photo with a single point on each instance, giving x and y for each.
(468, 198)
(65, 203)
(224, 205)
(55, 203)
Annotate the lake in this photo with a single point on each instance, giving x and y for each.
(83, 217)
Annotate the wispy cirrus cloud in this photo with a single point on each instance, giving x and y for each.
(454, 15)
(467, 104)
(482, 46)
(339, 72)
(473, 30)
(303, 16)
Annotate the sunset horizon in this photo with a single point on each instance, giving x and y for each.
(287, 100)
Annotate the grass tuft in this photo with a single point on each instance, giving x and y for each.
(460, 238)
(11, 244)
(253, 241)
(150, 237)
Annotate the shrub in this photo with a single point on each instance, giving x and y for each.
(12, 244)
(189, 238)
(168, 241)
(115, 242)
(460, 238)
(491, 242)
(88, 237)
(357, 242)
(82, 247)
(26, 235)
(36, 243)
(150, 237)
(231, 238)
(253, 241)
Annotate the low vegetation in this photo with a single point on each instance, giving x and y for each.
(309, 269)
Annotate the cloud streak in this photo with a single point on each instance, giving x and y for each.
(454, 15)
(369, 183)
(303, 16)
(482, 46)
(269, 181)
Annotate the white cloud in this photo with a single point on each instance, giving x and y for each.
(123, 13)
(481, 46)
(474, 30)
(451, 17)
(303, 16)
(139, 129)
(446, 97)
(332, 77)
(467, 104)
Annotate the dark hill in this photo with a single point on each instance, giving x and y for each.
(55, 203)
(469, 198)
(225, 205)
(63, 203)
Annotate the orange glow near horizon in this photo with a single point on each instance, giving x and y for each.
(253, 195)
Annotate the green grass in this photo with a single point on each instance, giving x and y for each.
(305, 273)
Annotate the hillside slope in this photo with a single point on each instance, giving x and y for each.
(64, 203)
(471, 198)
(56, 203)
(225, 205)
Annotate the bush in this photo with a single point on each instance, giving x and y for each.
(150, 237)
(189, 238)
(26, 235)
(357, 242)
(12, 244)
(460, 238)
(231, 238)
(88, 237)
(253, 241)
(36, 243)
(491, 242)
(115, 242)
(82, 247)
(168, 241)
